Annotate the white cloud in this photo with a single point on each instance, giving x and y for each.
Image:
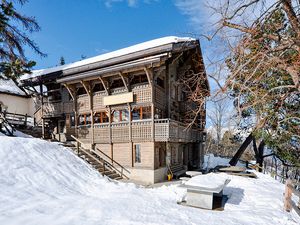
(130, 3)
(197, 12)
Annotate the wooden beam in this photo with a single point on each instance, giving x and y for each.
(149, 74)
(87, 87)
(71, 91)
(102, 82)
(123, 79)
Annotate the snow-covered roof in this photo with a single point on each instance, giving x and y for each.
(8, 86)
(124, 51)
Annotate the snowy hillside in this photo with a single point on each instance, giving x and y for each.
(44, 183)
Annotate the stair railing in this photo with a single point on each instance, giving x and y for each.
(113, 161)
(104, 162)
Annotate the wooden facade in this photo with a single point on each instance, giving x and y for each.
(130, 109)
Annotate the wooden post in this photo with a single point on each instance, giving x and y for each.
(288, 195)
(77, 148)
(130, 134)
(25, 123)
(150, 77)
(42, 106)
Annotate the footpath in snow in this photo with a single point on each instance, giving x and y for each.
(45, 183)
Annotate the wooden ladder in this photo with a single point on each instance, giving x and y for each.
(95, 157)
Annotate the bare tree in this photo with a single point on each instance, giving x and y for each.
(263, 61)
(219, 115)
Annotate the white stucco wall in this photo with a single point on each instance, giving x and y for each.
(17, 104)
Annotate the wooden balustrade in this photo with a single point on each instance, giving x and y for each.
(83, 103)
(57, 108)
(98, 100)
(67, 107)
(101, 133)
(141, 131)
(52, 108)
(142, 94)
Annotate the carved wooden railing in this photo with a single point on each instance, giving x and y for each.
(142, 93)
(141, 130)
(56, 108)
(52, 108)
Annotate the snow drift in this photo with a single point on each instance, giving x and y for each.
(45, 183)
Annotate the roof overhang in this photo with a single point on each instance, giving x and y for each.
(140, 63)
(51, 74)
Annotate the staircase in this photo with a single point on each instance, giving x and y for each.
(95, 157)
(177, 170)
(5, 126)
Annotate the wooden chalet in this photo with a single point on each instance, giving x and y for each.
(127, 104)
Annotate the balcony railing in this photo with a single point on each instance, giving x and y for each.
(57, 108)
(141, 131)
(141, 94)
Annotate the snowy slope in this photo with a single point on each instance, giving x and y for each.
(44, 183)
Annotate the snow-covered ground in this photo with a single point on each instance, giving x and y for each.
(44, 183)
(211, 161)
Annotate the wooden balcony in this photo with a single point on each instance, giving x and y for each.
(98, 100)
(52, 109)
(141, 131)
(142, 94)
(83, 103)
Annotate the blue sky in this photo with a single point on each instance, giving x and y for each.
(72, 28)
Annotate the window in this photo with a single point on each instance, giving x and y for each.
(136, 114)
(141, 113)
(137, 151)
(146, 112)
(84, 119)
(120, 115)
(81, 120)
(70, 120)
(124, 115)
(72, 116)
(158, 114)
(101, 117)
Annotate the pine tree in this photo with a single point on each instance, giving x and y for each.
(13, 40)
(62, 61)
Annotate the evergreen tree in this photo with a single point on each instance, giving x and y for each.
(62, 61)
(13, 40)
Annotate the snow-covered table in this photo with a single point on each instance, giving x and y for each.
(202, 189)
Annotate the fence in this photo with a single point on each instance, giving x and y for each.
(279, 170)
(290, 191)
(18, 119)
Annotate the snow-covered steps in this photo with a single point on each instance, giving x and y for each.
(95, 159)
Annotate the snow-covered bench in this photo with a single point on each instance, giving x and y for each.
(202, 189)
